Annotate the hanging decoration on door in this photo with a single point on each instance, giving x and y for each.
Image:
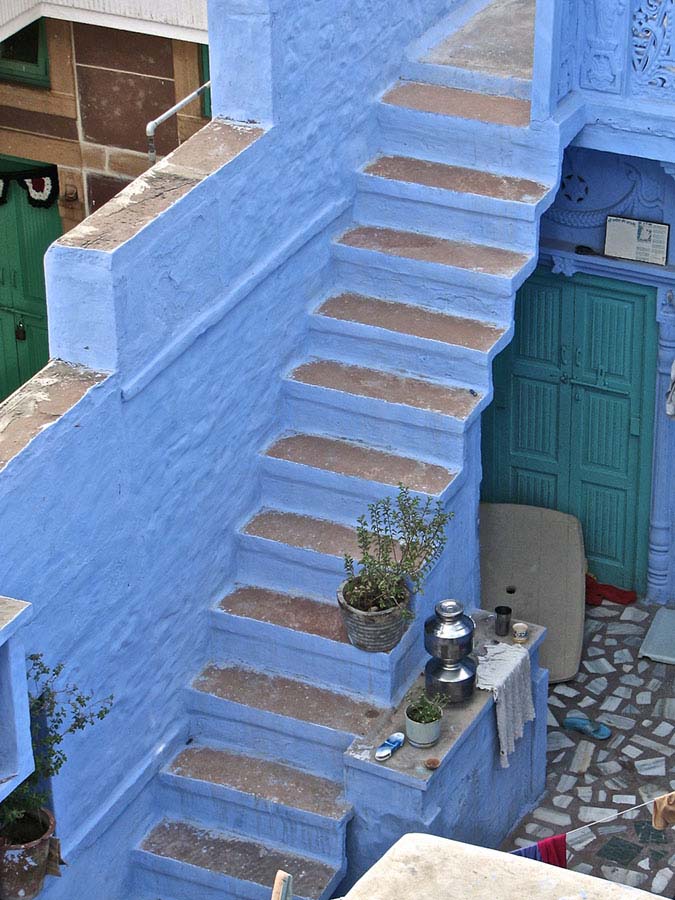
(41, 185)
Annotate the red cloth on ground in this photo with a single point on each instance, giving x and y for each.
(554, 850)
(597, 592)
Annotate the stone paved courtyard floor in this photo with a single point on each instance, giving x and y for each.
(589, 780)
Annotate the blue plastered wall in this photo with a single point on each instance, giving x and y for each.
(118, 522)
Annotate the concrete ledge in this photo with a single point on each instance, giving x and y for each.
(41, 402)
(433, 868)
(217, 144)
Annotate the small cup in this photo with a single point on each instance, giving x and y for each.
(503, 620)
(520, 633)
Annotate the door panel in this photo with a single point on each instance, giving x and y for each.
(25, 234)
(33, 353)
(37, 229)
(9, 364)
(583, 445)
(530, 412)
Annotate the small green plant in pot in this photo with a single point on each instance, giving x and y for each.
(399, 542)
(423, 716)
(26, 826)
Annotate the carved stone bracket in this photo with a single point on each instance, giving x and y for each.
(564, 265)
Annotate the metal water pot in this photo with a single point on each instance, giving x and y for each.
(448, 637)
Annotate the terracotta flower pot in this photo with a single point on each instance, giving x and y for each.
(422, 734)
(375, 632)
(23, 867)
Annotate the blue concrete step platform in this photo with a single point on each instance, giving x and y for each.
(451, 201)
(256, 798)
(309, 472)
(180, 860)
(305, 639)
(461, 263)
(360, 329)
(290, 721)
(466, 128)
(417, 417)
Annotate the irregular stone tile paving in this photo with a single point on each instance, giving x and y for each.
(588, 780)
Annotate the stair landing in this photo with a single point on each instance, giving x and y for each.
(498, 41)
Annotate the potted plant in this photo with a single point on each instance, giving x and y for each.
(26, 826)
(423, 718)
(399, 542)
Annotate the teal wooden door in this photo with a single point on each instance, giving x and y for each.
(570, 427)
(25, 234)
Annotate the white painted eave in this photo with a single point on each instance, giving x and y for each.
(183, 20)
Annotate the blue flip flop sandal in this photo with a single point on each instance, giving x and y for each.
(593, 729)
(391, 745)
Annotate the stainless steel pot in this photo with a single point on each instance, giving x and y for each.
(455, 681)
(448, 635)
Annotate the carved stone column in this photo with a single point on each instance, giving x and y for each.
(663, 483)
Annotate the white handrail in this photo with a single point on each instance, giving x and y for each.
(152, 126)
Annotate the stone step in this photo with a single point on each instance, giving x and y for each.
(280, 718)
(257, 798)
(302, 638)
(360, 461)
(451, 201)
(355, 274)
(445, 400)
(305, 615)
(302, 531)
(467, 79)
(292, 552)
(467, 128)
(521, 194)
(491, 51)
(459, 263)
(418, 418)
(448, 101)
(366, 330)
(181, 859)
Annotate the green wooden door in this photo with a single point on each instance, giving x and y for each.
(570, 427)
(25, 234)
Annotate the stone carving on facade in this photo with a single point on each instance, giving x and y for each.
(653, 55)
(602, 64)
(585, 201)
(567, 48)
(563, 265)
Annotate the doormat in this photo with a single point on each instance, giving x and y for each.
(659, 642)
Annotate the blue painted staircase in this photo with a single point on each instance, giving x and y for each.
(398, 369)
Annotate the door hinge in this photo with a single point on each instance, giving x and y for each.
(635, 425)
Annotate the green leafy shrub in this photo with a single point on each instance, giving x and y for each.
(399, 542)
(55, 711)
(424, 709)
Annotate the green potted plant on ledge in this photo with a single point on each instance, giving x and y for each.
(423, 716)
(399, 542)
(26, 826)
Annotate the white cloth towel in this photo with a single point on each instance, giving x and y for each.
(506, 672)
(670, 395)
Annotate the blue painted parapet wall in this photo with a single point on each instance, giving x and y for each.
(16, 752)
